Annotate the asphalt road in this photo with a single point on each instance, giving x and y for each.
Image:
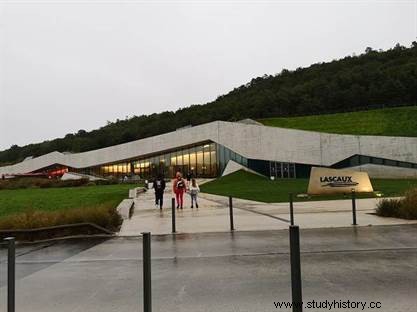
(243, 271)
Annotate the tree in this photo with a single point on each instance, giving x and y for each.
(373, 78)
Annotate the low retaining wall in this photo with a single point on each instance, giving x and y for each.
(125, 208)
(133, 193)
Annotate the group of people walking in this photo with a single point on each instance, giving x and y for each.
(180, 186)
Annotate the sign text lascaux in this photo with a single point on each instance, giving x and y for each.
(334, 181)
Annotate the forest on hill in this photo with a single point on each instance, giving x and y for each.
(372, 79)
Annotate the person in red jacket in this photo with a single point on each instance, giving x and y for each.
(179, 188)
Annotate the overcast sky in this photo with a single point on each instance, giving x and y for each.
(70, 65)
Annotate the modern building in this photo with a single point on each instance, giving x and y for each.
(211, 149)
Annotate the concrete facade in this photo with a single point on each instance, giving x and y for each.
(250, 141)
(387, 172)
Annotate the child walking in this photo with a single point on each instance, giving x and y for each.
(194, 190)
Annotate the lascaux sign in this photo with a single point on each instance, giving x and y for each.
(336, 181)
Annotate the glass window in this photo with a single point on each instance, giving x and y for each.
(291, 171)
(354, 161)
(200, 162)
(207, 162)
(207, 157)
(389, 162)
(226, 155)
(221, 157)
(279, 170)
(238, 159)
(376, 160)
(167, 159)
(364, 159)
(173, 159)
(203, 160)
(244, 161)
(179, 159)
(193, 159)
(186, 157)
(285, 171)
(272, 171)
(404, 164)
(213, 160)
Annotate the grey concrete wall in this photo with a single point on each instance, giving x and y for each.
(270, 143)
(251, 141)
(387, 172)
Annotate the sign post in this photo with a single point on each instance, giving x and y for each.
(354, 207)
(232, 225)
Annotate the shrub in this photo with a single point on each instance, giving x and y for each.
(23, 183)
(388, 207)
(405, 208)
(408, 208)
(104, 215)
(40, 182)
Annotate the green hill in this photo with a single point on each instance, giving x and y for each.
(400, 121)
(362, 82)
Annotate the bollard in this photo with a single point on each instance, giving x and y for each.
(147, 281)
(232, 226)
(354, 207)
(11, 265)
(173, 215)
(291, 210)
(297, 297)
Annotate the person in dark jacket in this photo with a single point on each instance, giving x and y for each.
(159, 187)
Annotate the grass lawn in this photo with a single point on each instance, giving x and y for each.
(399, 121)
(246, 185)
(61, 199)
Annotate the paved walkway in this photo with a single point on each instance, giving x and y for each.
(213, 215)
(222, 272)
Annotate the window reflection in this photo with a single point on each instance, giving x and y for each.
(200, 160)
(204, 160)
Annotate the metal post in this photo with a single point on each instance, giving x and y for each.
(11, 265)
(147, 281)
(354, 207)
(297, 297)
(291, 210)
(173, 215)
(232, 226)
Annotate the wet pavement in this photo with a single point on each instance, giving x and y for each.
(213, 215)
(241, 271)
